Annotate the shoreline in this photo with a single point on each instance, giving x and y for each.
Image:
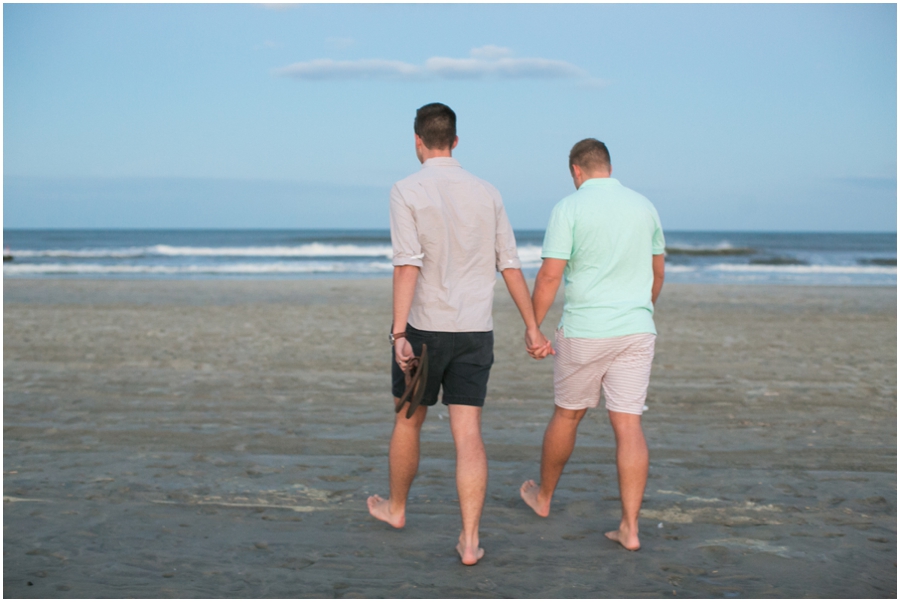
(84, 286)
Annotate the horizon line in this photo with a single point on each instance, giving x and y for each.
(339, 229)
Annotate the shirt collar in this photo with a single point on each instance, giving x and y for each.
(441, 162)
(599, 182)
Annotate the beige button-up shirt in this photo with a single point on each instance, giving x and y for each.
(454, 227)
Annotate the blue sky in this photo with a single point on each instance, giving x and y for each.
(727, 117)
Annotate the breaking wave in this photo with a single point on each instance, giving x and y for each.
(308, 250)
(228, 268)
(723, 248)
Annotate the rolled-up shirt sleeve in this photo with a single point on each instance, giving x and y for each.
(404, 237)
(505, 240)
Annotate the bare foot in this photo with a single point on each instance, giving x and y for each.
(470, 554)
(380, 508)
(627, 537)
(529, 492)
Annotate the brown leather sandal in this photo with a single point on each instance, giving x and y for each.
(416, 375)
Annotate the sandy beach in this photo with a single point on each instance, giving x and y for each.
(219, 439)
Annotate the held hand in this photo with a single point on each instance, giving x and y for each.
(537, 344)
(534, 339)
(403, 352)
(542, 352)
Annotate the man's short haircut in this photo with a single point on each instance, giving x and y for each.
(436, 125)
(590, 155)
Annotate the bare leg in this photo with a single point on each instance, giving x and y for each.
(403, 462)
(471, 477)
(559, 441)
(632, 462)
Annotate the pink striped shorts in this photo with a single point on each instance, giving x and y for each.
(620, 366)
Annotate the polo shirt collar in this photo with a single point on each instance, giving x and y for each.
(441, 162)
(599, 182)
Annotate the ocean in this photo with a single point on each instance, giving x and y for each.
(842, 259)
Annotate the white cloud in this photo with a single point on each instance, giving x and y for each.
(490, 52)
(486, 62)
(320, 69)
(506, 68)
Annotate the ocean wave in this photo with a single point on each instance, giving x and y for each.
(777, 260)
(879, 261)
(123, 253)
(307, 250)
(315, 249)
(782, 269)
(530, 256)
(803, 269)
(385, 268)
(723, 248)
(680, 269)
(233, 268)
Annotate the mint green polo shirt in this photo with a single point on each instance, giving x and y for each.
(608, 234)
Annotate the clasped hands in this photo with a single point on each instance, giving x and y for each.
(537, 345)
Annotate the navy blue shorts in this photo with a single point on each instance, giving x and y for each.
(460, 362)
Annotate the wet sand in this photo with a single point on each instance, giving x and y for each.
(219, 439)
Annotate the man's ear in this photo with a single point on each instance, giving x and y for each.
(455, 142)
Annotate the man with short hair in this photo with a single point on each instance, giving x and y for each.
(450, 235)
(606, 240)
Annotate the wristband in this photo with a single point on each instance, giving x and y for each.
(394, 336)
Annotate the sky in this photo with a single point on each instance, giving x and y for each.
(773, 117)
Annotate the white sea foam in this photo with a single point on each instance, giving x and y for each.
(124, 253)
(308, 250)
(315, 249)
(802, 269)
(530, 256)
(722, 248)
(680, 269)
(232, 268)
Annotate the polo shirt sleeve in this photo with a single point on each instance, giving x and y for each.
(506, 254)
(558, 239)
(659, 240)
(404, 235)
